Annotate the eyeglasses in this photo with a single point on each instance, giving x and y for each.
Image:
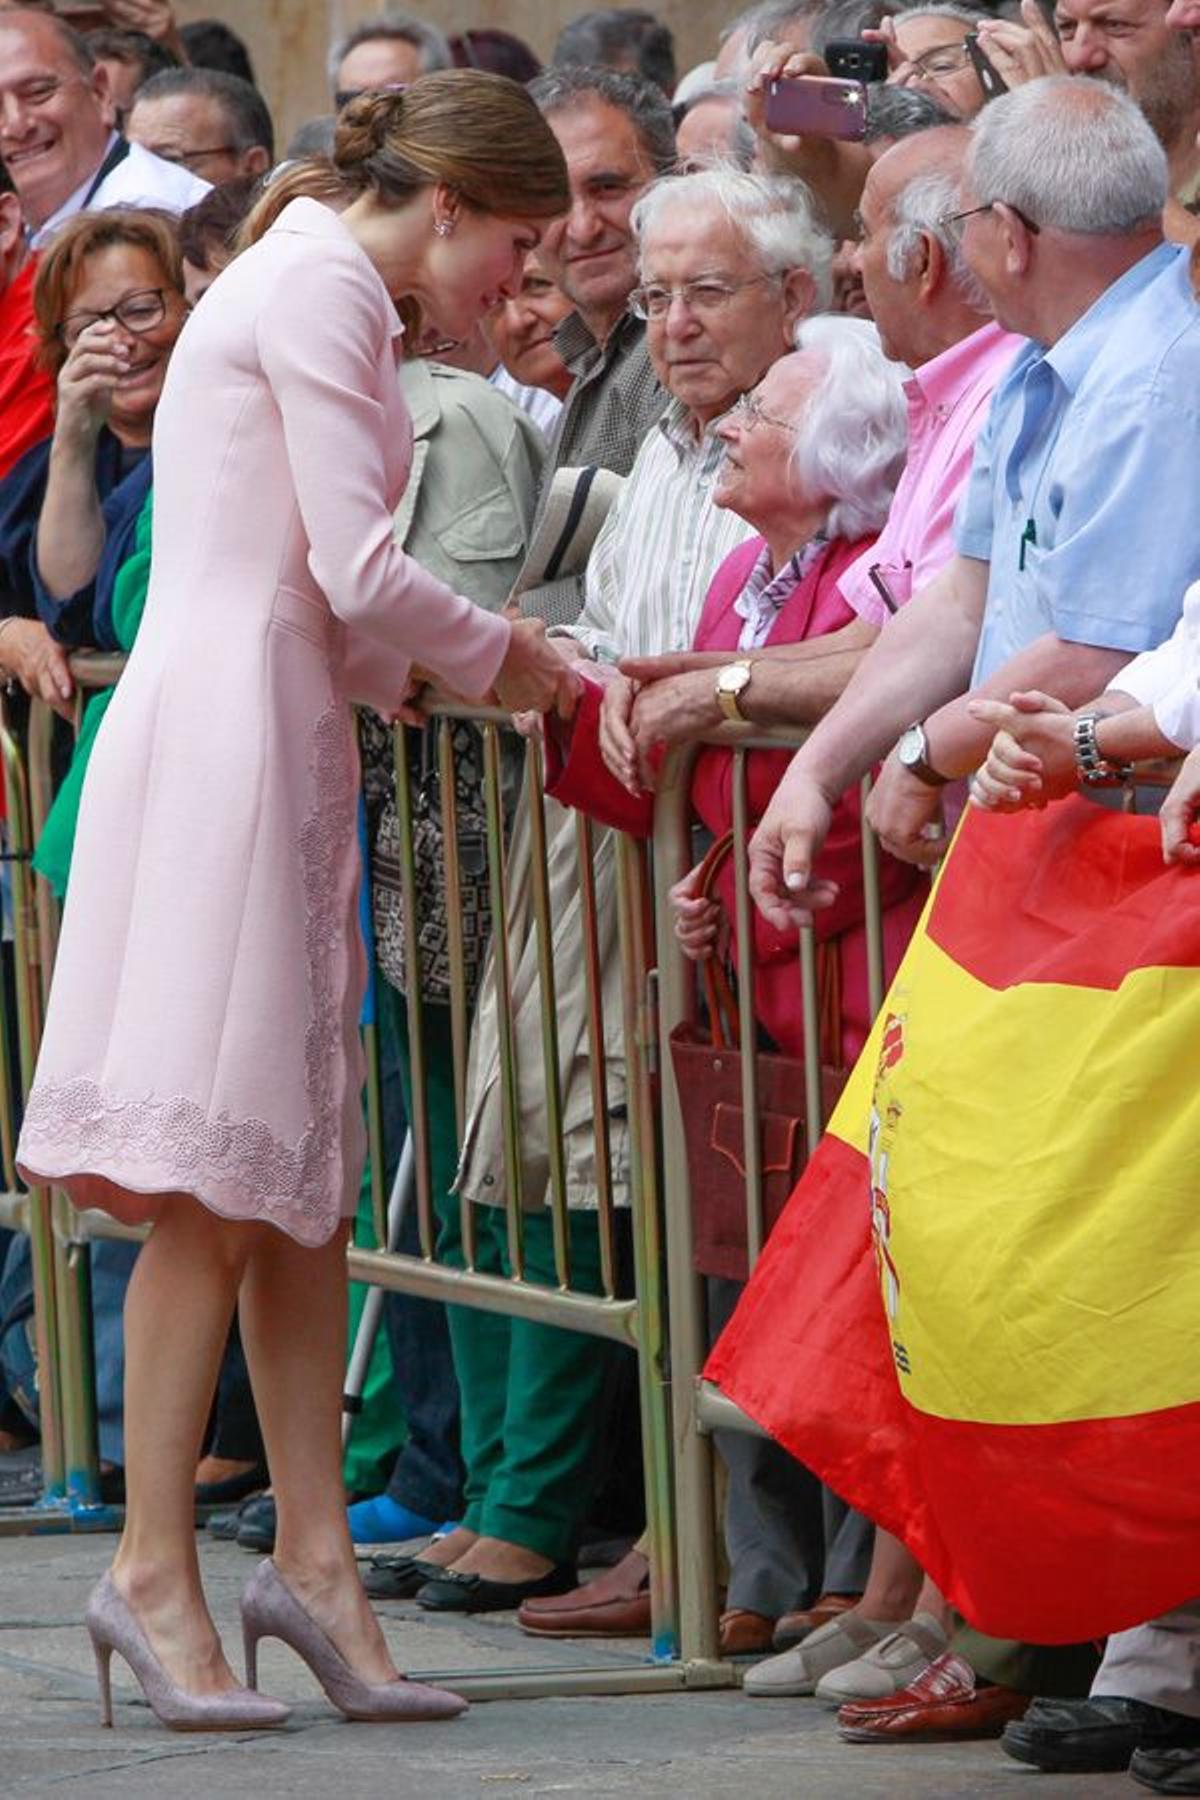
(943, 59)
(136, 312)
(748, 412)
(188, 159)
(703, 299)
(949, 219)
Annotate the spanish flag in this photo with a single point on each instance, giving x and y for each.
(978, 1318)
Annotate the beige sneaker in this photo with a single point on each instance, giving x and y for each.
(888, 1666)
(798, 1671)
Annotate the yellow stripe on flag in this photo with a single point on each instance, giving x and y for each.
(1036, 1176)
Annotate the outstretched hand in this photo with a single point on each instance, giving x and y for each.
(535, 676)
(783, 851)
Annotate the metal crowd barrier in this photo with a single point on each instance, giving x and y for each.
(664, 1318)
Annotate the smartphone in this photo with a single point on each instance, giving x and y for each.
(990, 79)
(852, 59)
(814, 107)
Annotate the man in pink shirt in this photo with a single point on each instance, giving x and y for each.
(932, 315)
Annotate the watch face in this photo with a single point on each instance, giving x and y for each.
(911, 746)
(733, 679)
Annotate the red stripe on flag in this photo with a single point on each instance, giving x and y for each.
(1048, 1533)
(1083, 894)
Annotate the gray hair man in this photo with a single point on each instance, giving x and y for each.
(933, 316)
(617, 135)
(1061, 570)
(382, 52)
(214, 124)
(58, 135)
(729, 264)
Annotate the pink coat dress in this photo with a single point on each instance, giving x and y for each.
(202, 1030)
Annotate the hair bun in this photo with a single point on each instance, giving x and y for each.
(363, 127)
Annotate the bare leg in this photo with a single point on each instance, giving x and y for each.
(447, 1551)
(293, 1311)
(177, 1312)
(894, 1582)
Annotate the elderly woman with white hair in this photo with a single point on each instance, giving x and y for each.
(812, 460)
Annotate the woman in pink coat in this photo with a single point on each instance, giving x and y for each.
(200, 1066)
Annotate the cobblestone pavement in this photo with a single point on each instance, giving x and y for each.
(683, 1746)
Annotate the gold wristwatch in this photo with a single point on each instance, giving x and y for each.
(733, 680)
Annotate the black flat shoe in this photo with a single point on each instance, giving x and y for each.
(233, 1488)
(452, 1592)
(1167, 1771)
(256, 1524)
(1092, 1736)
(398, 1577)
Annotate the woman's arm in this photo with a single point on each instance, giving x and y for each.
(70, 534)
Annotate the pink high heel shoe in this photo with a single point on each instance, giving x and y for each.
(112, 1626)
(270, 1609)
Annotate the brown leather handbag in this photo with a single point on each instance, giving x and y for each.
(708, 1075)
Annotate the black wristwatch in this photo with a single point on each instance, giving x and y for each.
(912, 752)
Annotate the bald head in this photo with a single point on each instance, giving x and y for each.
(942, 151)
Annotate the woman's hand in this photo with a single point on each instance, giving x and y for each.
(1032, 757)
(29, 654)
(698, 921)
(1180, 814)
(87, 382)
(535, 676)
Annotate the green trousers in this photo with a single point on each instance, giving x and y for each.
(530, 1394)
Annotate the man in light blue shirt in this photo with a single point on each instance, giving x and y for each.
(1085, 467)
(1076, 534)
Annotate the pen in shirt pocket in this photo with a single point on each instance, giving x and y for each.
(886, 593)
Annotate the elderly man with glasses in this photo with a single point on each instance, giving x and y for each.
(58, 136)
(729, 265)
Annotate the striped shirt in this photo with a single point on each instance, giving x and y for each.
(651, 566)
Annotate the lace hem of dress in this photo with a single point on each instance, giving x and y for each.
(174, 1133)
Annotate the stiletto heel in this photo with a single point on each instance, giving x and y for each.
(250, 1648)
(103, 1655)
(112, 1626)
(270, 1609)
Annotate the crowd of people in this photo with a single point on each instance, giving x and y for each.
(879, 424)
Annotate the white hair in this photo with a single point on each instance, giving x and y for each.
(940, 9)
(919, 210)
(772, 212)
(1072, 154)
(853, 437)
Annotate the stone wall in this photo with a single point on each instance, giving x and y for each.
(288, 39)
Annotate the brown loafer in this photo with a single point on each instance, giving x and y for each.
(794, 1627)
(615, 1604)
(946, 1701)
(745, 1633)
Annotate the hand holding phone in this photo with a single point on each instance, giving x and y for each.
(857, 59)
(813, 106)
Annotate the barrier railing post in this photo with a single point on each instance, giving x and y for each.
(40, 1211)
(637, 956)
(696, 1522)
